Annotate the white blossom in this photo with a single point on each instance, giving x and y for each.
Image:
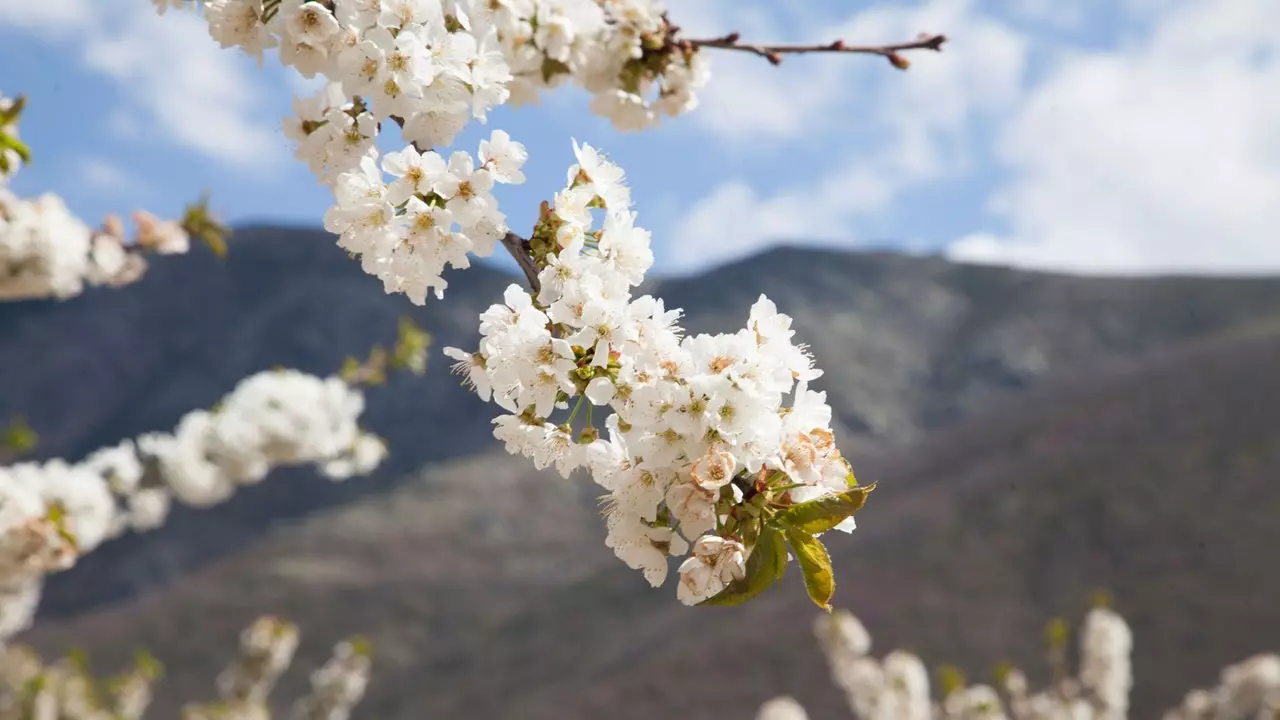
(686, 416)
(782, 708)
(337, 686)
(1106, 645)
(53, 512)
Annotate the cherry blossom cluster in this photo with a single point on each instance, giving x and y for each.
(67, 689)
(897, 687)
(699, 442)
(715, 446)
(47, 252)
(1249, 689)
(53, 512)
(338, 685)
(271, 419)
(1100, 688)
(432, 65)
(266, 651)
(618, 50)
(432, 214)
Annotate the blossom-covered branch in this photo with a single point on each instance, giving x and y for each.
(897, 686)
(68, 690)
(702, 454)
(266, 651)
(53, 512)
(697, 451)
(1249, 689)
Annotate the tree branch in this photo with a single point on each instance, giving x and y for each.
(519, 249)
(774, 53)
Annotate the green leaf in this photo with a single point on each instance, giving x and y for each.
(815, 563)
(411, 346)
(951, 679)
(1057, 633)
(14, 111)
(199, 222)
(765, 566)
(361, 645)
(147, 664)
(18, 437)
(818, 516)
(8, 142)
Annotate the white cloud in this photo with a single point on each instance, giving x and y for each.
(104, 175)
(174, 77)
(980, 70)
(202, 96)
(748, 98)
(301, 86)
(1159, 157)
(1081, 15)
(49, 18)
(900, 130)
(734, 221)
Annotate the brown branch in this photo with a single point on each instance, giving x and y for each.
(519, 249)
(774, 53)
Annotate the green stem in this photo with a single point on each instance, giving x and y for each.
(574, 412)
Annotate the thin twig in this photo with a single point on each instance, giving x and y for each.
(774, 53)
(519, 249)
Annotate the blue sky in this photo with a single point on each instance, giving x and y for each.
(1095, 136)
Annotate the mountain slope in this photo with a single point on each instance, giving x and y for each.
(908, 344)
(489, 592)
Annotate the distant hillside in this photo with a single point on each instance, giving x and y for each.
(908, 344)
(489, 593)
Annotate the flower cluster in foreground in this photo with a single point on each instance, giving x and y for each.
(620, 51)
(714, 446)
(53, 512)
(431, 67)
(703, 454)
(896, 687)
(67, 690)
